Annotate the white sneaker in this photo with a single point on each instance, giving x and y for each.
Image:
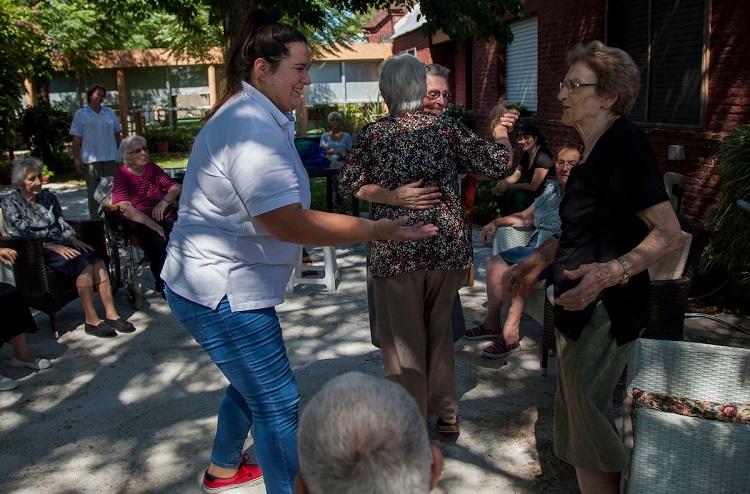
(37, 364)
(6, 384)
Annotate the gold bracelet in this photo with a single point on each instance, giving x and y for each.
(625, 277)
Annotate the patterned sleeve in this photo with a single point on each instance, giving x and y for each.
(163, 180)
(65, 229)
(477, 155)
(355, 172)
(13, 216)
(120, 189)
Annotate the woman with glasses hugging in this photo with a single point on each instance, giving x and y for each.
(144, 195)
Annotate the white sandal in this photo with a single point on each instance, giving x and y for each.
(6, 384)
(36, 364)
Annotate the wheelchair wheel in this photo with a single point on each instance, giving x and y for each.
(113, 264)
(135, 297)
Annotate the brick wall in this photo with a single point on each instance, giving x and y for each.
(414, 40)
(562, 24)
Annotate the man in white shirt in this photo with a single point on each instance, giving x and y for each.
(96, 133)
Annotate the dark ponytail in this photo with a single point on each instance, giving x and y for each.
(262, 36)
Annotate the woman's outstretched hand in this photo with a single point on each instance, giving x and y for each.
(388, 229)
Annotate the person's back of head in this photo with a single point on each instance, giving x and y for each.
(361, 434)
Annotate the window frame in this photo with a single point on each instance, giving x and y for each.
(705, 58)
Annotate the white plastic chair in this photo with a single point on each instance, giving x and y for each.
(327, 275)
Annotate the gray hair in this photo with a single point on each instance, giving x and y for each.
(435, 69)
(127, 144)
(21, 168)
(403, 83)
(363, 435)
(334, 114)
(616, 73)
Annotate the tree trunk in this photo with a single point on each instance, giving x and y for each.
(234, 13)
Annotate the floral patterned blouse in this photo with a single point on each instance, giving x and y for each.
(43, 220)
(407, 147)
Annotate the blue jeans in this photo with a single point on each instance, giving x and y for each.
(248, 348)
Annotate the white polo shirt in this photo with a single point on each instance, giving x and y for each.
(97, 133)
(243, 164)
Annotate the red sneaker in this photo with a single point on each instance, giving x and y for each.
(248, 474)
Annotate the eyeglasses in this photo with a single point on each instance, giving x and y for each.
(570, 163)
(573, 85)
(139, 150)
(436, 94)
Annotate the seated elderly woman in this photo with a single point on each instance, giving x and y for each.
(144, 194)
(415, 283)
(17, 321)
(33, 213)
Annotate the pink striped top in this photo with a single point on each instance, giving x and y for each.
(143, 191)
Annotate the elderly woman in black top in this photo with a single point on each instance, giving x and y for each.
(33, 213)
(415, 282)
(616, 222)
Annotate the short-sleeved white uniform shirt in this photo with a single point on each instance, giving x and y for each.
(97, 133)
(243, 164)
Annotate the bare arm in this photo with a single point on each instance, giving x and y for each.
(663, 238)
(77, 152)
(309, 227)
(525, 274)
(521, 219)
(161, 206)
(132, 214)
(410, 196)
(502, 186)
(536, 180)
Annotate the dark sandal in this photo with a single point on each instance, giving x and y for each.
(480, 333)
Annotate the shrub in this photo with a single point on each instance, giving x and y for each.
(44, 129)
(180, 140)
(731, 226)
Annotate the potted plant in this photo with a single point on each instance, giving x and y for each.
(46, 173)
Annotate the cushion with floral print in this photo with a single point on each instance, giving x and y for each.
(735, 413)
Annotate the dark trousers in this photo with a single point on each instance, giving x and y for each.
(152, 244)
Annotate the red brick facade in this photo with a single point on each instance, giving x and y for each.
(561, 25)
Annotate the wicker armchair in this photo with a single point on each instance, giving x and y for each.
(673, 452)
(44, 289)
(668, 299)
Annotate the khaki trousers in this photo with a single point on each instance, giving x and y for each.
(415, 328)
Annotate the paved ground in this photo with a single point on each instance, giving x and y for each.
(136, 413)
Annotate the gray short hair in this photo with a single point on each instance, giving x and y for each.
(365, 435)
(616, 72)
(334, 114)
(21, 168)
(127, 144)
(403, 83)
(435, 69)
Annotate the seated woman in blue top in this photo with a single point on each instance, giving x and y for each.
(33, 213)
(336, 143)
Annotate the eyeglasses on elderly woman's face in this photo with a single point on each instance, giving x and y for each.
(433, 95)
(574, 85)
(144, 149)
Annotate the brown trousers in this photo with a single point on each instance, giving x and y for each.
(415, 328)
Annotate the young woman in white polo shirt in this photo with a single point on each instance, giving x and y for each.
(243, 212)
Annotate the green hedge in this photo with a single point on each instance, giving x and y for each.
(179, 140)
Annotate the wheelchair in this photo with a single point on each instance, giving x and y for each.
(127, 260)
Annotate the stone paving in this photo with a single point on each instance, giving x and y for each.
(136, 413)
